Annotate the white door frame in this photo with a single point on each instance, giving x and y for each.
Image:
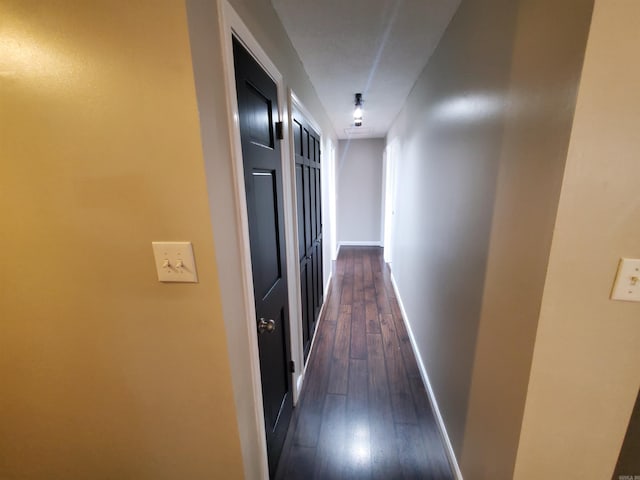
(232, 24)
(390, 162)
(332, 196)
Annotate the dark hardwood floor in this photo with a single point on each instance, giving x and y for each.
(364, 411)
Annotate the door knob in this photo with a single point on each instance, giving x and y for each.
(266, 325)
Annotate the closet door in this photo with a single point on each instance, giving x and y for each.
(309, 212)
(258, 113)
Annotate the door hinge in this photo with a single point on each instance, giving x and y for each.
(292, 366)
(279, 131)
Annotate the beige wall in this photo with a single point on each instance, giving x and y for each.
(586, 365)
(105, 372)
(483, 139)
(359, 195)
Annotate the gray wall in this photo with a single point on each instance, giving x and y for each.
(483, 139)
(359, 190)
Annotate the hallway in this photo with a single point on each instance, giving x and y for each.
(363, 411)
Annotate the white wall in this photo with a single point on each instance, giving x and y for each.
(359, 182)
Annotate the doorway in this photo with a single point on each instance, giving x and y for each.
(307, 153)
(389, 199)
(257, 98)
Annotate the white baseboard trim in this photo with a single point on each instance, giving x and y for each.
(360, 243)
(425, 378)
(299, 383)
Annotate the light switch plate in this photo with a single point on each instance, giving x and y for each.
(175, 262)
(627, 284)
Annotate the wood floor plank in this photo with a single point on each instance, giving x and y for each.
(340, 365)
(377, 264)
(358, 332)
(358, 391)
(313, 395)
(395, 306)
(371, 316)
(358, 288)
(300, 463)
(381, 294)
(346, 292)
(348, 257)
(384, 454)
(329, 459)
(332, 307)
(340, 263)
(369, 293)
(400, 390)
(406, 349)
(358, 443)
(367, 270)
(434, 448)
(410, 452)
(377, 372)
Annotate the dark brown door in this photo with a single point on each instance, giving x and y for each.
(258, 114)
(309, 202)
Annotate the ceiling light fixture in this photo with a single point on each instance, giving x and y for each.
(357, 113)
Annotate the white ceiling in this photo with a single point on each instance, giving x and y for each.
(375, 47)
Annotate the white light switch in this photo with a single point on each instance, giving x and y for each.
(175, 262)
(627, 284)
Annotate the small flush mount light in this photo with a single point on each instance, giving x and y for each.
(357, 112)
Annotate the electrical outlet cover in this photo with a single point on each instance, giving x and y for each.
(627, 284)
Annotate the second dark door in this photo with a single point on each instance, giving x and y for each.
(306, 143)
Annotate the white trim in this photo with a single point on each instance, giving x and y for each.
(390, 161)
(425, 378)
(383, 189)
(291, 231)
(307, 115)
(331, 196)
(359, 243)
(297, 350)
(230, 23)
